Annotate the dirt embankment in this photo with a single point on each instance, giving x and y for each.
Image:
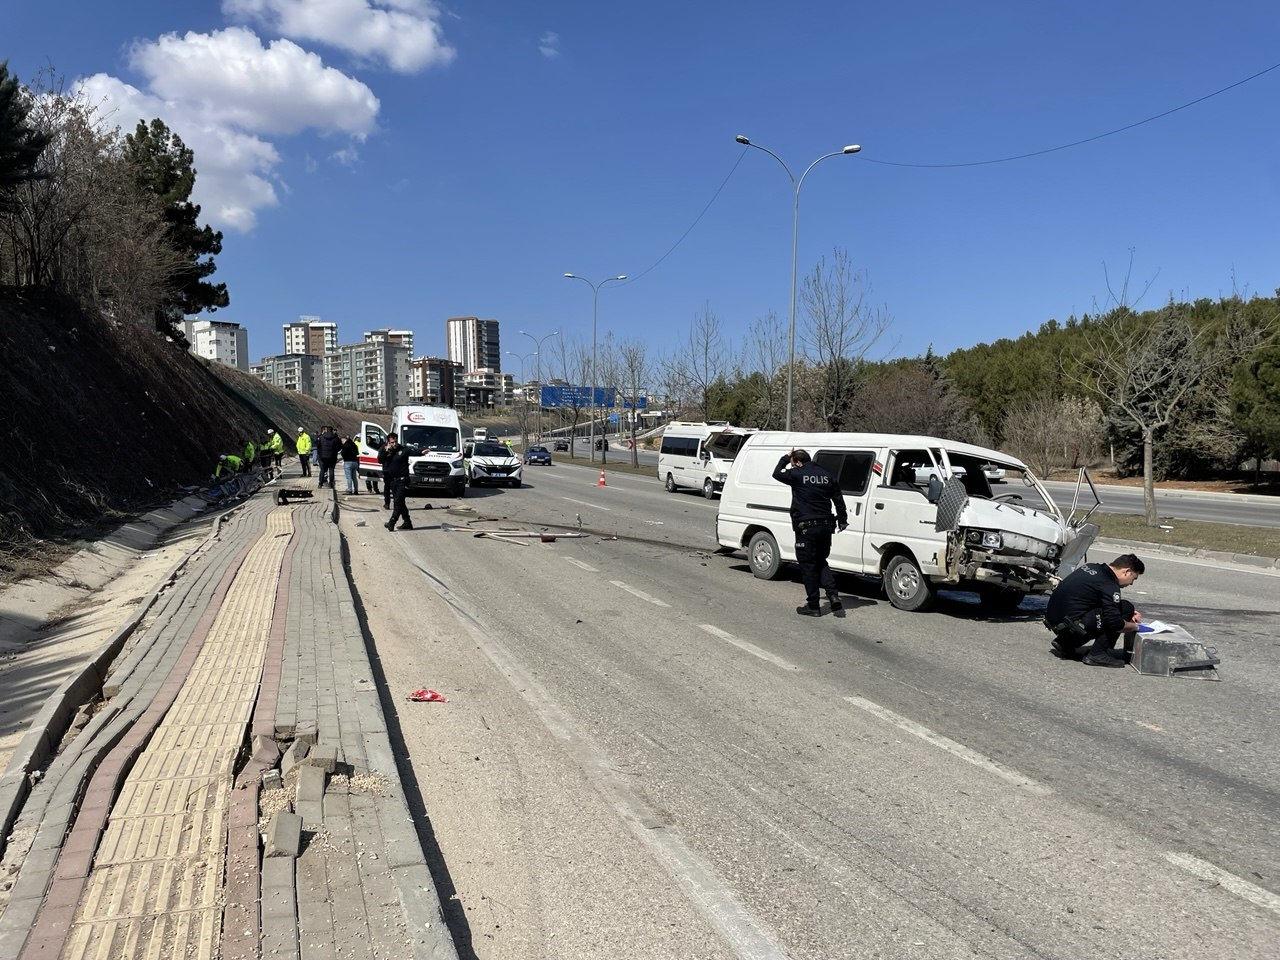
(101, 419)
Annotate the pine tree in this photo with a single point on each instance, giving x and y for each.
(20, 145)
(164, 167)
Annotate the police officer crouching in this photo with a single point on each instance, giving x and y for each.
(813, 493)
(1087, 606)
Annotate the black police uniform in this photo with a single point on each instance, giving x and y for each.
(386, 480)
(395, 471)
(813, 493)
(1087, 606)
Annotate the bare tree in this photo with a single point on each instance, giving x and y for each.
(83, 225)
(840, 329)
(634, 362)
(573, 359)
(1031, 431)
(1143, 370)
(610, 376)
(705, 358)
(764, 358)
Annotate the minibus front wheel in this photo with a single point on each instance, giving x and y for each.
(763, 555)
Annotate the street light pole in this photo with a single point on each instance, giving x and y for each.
(538, 341)
(595, 313)
(795, 242)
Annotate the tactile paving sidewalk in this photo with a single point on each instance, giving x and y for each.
(156, 885)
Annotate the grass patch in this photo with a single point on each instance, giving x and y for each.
(1199, 534)
(619, 462)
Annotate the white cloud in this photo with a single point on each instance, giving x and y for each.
(404, 34)
(549, 45)
(221, 92)
(348, 156)
(279, 88)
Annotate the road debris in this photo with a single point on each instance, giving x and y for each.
(426, 696)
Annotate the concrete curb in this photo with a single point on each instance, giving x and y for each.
(1177, 494)
(50, 725)
(1262, 564)
(419, 896)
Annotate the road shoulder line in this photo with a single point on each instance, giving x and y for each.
(950, 746)
(1242, 888)
(750, 648)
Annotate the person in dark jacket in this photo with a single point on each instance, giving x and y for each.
(814, 491)
(1087, 606)
(350, 463)
(328, 446)
(386, 482)
(395, 473)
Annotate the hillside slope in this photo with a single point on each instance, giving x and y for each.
(101, 419)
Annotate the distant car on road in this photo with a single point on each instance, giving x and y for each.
(562, 445)
(993, 473)
(538, 455)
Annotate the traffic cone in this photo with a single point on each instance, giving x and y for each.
(600, 482)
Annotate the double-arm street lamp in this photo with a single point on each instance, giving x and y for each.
(538, 342)
(595, 313)
(795, 235)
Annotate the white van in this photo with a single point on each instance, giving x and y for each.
(922, 515)
(480, 433)
(434, 438)
(697, 455)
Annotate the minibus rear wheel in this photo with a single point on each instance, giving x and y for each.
(763, 555)
(671, 484)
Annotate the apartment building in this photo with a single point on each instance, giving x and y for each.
(402, 338)
(218, 340)
(294, 371)
(436, 380)
(310, 335)
(489, 388)
(473, 343)
(367, 376)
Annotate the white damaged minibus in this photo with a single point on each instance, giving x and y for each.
(922, 515)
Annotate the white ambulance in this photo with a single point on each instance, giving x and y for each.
(697, 456)
(922, 515)
(434, 438)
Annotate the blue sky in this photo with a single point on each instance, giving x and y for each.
(466, 174)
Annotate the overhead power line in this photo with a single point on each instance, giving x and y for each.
(968, 163)
(1077, 143)
(689, 230)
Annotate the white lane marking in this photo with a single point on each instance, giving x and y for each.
(750, 648)
(951, 747)
(1228, 881)
(580, 564)
(639, 593)
(593, 506)
(748, 937)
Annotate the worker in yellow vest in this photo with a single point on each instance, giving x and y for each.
(275, 447)
(303, 445)
(228, 465)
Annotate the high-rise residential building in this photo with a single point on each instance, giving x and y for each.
(473, 343)
(367, 376)
(403, 338)
(436, 380)
(294, 371)
(310, 335)
(218, 340)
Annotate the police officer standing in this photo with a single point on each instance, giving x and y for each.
(383, 453)
(813, 493)
(1087, 606)
(395, 473)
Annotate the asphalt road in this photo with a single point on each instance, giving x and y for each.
(882, 783)
(1178, 505)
